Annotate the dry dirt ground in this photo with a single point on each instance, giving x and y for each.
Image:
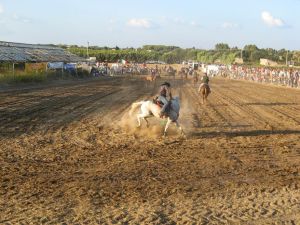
(67, 157)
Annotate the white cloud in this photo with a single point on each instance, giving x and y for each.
(20, 19)
(112, 21)
(195, 24)
(1, 9)
(140, 23)
(26, 20)
(228, 25)
(182, 22)
(16, 17)
(271, 21)
(179, 21)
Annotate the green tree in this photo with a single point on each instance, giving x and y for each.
(222, 46)
(250, 48)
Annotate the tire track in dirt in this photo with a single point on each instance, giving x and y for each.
(270, 115)
(51, 106)
(233, 116)
(61, 109)
(245, 113)
(211, 117)
(279, 100)
(242, 112)
(33, 93)
(242, 103)
(274, 94)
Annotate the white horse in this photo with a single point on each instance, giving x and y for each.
(149, 109)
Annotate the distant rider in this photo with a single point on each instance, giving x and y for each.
(204, 81)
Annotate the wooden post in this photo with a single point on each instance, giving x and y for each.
(46, 71)
(76, 70)
(13, 70)
(62, 71)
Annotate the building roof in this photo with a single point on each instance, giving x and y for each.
(17, 52)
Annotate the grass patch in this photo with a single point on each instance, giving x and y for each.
(23, 78)
(32, 74)
(35, 77)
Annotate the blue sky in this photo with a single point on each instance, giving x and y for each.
(133, 23)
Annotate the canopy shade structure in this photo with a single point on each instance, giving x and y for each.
(27, 53)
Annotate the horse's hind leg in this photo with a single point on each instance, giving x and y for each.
(144, 117)
(167, 126)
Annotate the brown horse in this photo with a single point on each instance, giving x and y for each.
(150, 78)
(183, 73)
(204, 90)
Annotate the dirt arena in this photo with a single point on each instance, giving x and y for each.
(67, 157)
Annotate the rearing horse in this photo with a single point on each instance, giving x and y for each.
(149, 109)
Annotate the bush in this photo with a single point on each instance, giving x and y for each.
(22, 78)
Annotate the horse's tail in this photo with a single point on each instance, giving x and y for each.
(134, 106)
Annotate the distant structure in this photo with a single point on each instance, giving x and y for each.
(36, 57)
(238, 61)
(267, 62)
(29, 53)
(92, 59)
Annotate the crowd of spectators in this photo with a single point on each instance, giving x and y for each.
(279, 76)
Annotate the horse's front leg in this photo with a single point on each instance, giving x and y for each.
(139, 116)
(167, 126)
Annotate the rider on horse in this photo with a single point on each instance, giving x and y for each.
(165, 97)
(204, 81)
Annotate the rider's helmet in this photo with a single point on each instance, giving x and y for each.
(166, 84)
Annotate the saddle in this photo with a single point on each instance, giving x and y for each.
(161, 104)
(203, 85)
(157, 102)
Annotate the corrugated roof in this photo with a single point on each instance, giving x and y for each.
(18, 52)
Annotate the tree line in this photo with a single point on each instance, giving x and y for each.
(222, 53)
